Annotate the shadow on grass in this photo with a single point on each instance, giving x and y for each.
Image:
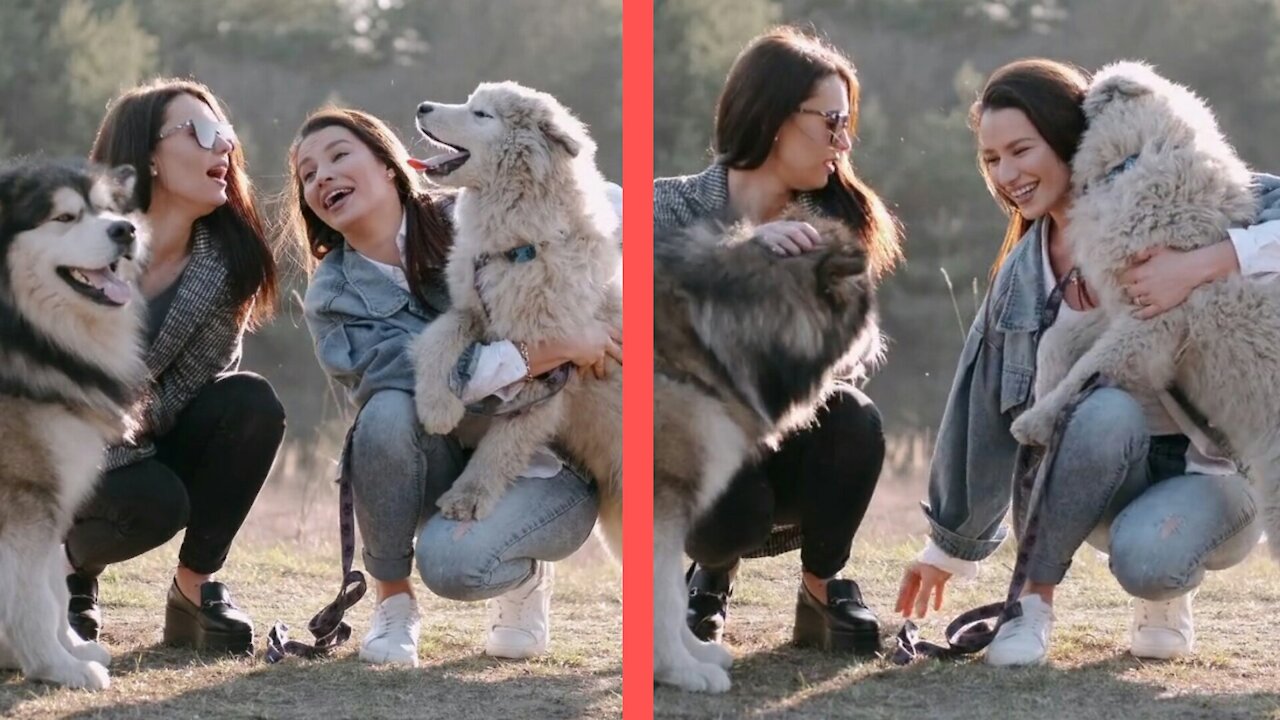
(786, 682)
(344, 687)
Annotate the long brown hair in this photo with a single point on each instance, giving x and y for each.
(128, 135)
(1050, 94)
(769, 80)
(428, 234)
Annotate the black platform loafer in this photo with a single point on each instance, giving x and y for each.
(843, 624)
(709, 593)
(216, 624)
(83, 613)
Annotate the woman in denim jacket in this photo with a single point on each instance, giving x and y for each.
(382, 240)
(1135, 477)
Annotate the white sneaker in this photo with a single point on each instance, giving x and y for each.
(1023, 640)
(393, 638)
(1162, 630)
(520, 621)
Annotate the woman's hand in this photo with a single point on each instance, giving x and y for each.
(590, 351)
(919, 582)
(788, 237)
(1160, 279)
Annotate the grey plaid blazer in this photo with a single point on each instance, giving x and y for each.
(199, 340)
(682, 201)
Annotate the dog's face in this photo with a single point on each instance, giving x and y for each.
(503, 130)
(1138, 125)
(66, 245)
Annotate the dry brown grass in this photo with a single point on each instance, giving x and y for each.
(286, 567)
(1232, 675)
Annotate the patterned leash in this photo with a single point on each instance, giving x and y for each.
(327, 626)
(970, 632)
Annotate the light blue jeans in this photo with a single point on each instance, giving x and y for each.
(1128, 494)
(397, 474)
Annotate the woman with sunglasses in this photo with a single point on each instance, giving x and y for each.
(207, 433)
(783, 131)
(1133, 476)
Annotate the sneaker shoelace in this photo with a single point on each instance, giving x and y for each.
(514, 608)
(392, 619)
(1158, 611)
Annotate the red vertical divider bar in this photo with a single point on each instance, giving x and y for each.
(637, 214)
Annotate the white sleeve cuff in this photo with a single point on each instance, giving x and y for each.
(933, 555)
(1257, 249)
(500, 370)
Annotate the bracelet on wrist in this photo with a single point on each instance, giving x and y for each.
(523, 348)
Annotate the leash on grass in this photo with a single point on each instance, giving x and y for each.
(972, 631)
(327, 626)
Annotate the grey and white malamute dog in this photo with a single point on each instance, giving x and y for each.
(1154, 170)
(534, 259)
(745, 346)
(70, 359)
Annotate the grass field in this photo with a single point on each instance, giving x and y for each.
(1235, 672)
(286, 568)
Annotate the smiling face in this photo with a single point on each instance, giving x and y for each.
(1021, 165)
(812, 139)
(184, 171)
(342, 181)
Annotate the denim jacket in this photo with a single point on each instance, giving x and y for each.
(361, 323)
(971, 474)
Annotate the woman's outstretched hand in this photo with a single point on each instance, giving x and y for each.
(919, 582)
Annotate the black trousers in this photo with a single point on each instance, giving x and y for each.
(820, 478)
(205, 475)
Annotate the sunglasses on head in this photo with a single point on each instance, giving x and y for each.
(205, 130)
(837, 122)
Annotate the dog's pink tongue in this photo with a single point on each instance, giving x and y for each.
(116, 290)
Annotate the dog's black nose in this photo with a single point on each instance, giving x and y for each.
(121, 232)
(425, 108)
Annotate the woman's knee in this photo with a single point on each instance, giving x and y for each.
(250, 399)
(147, 501)
(851, 417)
(1108, 424)
(739, 522)
(1163, 543)
(386, 430)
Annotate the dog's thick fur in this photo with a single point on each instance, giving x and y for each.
(528, 173)
(745, 348)
(1220, 348)
(69, 364)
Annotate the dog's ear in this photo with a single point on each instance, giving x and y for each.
(1117, 82)
(125, 179)
(562, 133)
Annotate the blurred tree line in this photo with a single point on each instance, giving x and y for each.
(921, 64)
(273, 61)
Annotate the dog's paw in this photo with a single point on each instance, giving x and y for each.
(695, 677)
(713, 653)
(439, 413)
(91, 652)
(1035, 426)
(467, 501)
(78, 674)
